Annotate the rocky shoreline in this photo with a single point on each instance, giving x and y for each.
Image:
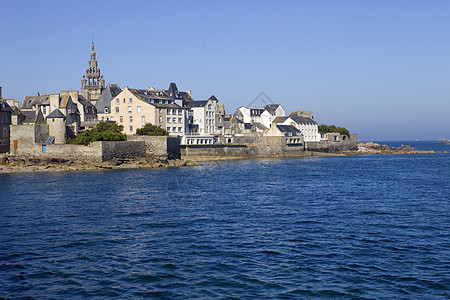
(16, 164)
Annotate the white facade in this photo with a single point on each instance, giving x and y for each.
(205, 118)
(310, 130)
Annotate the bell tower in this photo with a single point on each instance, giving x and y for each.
(92, 83)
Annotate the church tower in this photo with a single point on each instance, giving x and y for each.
(92, 83)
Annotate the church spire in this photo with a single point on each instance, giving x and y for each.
(92, 83)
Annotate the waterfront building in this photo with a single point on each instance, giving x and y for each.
(133, 108)
(307, 126)
(5, 122)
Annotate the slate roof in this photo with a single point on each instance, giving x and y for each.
(172, 88)
(5, 106)
(271, 108)
(31, 116)
(30, 101)
(56, 114)
(111, 91)
(260, 126)
(303, 120)
(164, 105)
(289, 129)
(279, 120)
(200, 103)
(213, 98)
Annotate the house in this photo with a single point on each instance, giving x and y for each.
(5, 122)
(133, 108)
(203, 116)
(103, 105)
(292, 134)
(307, 126)
(263, 115)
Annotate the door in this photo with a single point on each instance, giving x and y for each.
(44, 148)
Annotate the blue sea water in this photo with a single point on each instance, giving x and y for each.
(362, 227)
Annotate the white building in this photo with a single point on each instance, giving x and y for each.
(307, 126)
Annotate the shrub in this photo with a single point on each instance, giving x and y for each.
(104, 131)
(332, 128)
(152, 130)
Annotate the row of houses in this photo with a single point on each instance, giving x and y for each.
(194, 121)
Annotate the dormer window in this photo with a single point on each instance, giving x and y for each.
(106, 110)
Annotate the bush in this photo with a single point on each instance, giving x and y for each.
(152, 130)
(104, 131)
(332, 128)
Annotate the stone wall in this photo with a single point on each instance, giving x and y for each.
(334, 146)
(123, 149)
(25, 138)
(165, 147)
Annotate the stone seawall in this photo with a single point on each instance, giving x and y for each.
(165, 147)
(333, 146)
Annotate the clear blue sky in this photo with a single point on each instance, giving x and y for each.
(379, 68)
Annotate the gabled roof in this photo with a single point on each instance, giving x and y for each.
(271, 108)
(213, 98)
(31, 116)
(302, 120)
(260, 126)
(30, 101)
(56, 114)
(289, 129)
(200, 103)
(111, 91)
(279, 120)
(5, 106)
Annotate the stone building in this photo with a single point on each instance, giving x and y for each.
(92, 84)
(5, 122)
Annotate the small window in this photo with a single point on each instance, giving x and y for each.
(179, 120)
(112, 118)
(4, 131)
(174, 120)
(143, 119)
(160, 119)
(131, 128)
(124, 100)
(138, 109)
(130, 109)
(130, 101)
(168, 128)
(106, 110)
(131, 118)
(180, 111)
(179, 129)
(117, 109)
(160, 111)
(117, 101)
(169, 111)
(168, 120)
(209, 106)
(121, 119)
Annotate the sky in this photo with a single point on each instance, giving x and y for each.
(379, 68)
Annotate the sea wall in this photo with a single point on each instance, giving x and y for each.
(166, 147)
(25, 137)
(342, 144)
(271, 146)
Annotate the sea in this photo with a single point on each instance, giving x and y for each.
(359, 227)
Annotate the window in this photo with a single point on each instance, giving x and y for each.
(174, 129)
(179, 120)
(168, 120)
(160, 119)
(169, 111)
(138, 109)
(131, 118)
(131, 100)
(131, 128)
(209, 106)
(174, 120)
(143, 119)
(106, 110)
(4, 131)
(112, 118)
(124, 100)
(44, 110)
(160, 111)
(180, 111)
(129, 109)
(168, 129)
(117, 109)
(117, 101)
(179, 129)
(121, 119)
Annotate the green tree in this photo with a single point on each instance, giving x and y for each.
(152, 130)
(332, 128)
(104, 131)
